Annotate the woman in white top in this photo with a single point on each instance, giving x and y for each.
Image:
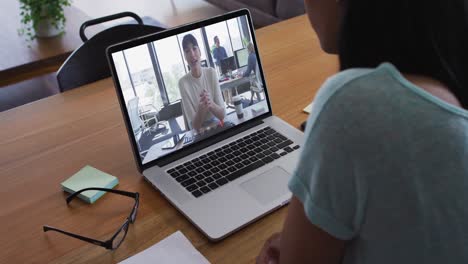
(202, 103)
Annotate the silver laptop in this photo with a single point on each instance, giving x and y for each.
(200, 123)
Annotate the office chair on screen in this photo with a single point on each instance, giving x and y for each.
(142, 122)
(135, 120)
(139, 125)
(88, 63)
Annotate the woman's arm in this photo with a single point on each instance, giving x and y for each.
(217, 106)
(200, 114)
(217, 111)
(187, 107)
(301, 241)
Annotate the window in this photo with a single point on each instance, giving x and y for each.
(136, 71)
(144, 80)
(123, 76)
(220, 30)
(171, 64)
(245, 29)
(235, 34)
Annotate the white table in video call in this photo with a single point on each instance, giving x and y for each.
(156, 150)
(233, 83)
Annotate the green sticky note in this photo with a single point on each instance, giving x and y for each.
(89, 177)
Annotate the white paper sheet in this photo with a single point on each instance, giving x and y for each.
(308, 108)
(174, 249)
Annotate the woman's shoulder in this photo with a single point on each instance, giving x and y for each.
(355, 84)
(211, 72)
(184, 80)
(354, 97)
(336, 84)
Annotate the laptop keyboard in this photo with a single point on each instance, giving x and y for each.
(231, 161)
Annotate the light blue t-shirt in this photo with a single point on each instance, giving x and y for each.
(385, 166)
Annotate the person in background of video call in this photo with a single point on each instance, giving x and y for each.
(202, 103)
(219, 52)
(252, 60)
(252, 68)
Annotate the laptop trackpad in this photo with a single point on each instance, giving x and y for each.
(268, 186)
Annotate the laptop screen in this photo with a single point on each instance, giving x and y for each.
(187, 86)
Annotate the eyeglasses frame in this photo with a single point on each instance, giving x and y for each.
(106, 244)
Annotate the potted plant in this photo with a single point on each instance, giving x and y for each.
(42, 18)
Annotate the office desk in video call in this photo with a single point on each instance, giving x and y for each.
(157, 149)
(233, 83)
(47, 141)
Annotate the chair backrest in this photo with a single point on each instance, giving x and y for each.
(88, 63)
(170, 111)
(134, 115)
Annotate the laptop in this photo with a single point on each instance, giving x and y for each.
(199, 134)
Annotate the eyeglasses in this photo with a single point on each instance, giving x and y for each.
(115, 241)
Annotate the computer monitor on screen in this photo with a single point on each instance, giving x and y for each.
(242, 57)
(228, 64)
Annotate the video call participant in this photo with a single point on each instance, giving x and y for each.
(219, 52)
(202, 103)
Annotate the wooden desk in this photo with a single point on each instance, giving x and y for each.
(43, 143)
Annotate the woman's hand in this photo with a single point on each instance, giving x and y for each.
(205, 102)
(270, 251)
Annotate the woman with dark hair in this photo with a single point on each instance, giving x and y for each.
(202, 103)
(383, 175)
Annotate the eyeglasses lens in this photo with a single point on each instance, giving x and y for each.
(120, 237)
(134, 213)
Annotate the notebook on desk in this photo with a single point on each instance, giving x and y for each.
(224, 177)
(89, 177)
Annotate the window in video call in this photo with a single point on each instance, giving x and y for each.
(187, 87)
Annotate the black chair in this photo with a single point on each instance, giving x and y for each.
(88, 63)
(170, 111)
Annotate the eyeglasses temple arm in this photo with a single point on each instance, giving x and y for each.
(87, 239)
(129, 194)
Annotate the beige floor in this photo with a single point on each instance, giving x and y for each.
(169, 12)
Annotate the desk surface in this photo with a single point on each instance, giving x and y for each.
(45, 142)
